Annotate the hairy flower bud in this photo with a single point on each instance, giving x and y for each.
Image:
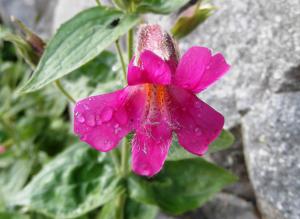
(153, 38)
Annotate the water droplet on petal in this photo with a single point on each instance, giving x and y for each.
(98, 120)
(106, 114)
(121, 116)
(80, 118)
(86, 107)
(90, 120)
(198, 105)
(197, 131)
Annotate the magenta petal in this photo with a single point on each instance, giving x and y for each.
(216, 68)
(198, 69)
(102, 121)
(151, 69)
(135, 74)
(197, 124)
(191, 67)
(150, 147)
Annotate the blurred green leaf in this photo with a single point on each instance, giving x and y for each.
(7, 215)
(97, 76)
(78, 41)
(159, 6)
(137, 210)
(190, 20)
(74, 183)
(224, 141)
(13, 177)
(181, 186)
(133, 210)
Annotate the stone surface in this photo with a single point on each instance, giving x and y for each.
(61, 14)
(223, 206)
(261, 40)
(272, 149)
(232, 159)
(36, 14)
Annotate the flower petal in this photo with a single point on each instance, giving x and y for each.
(102, 121)
(197, 69)
(152, 69)
(196, 123)
(216, 68)
(150, 148)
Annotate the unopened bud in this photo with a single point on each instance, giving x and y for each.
(152, 37)
(190, 19)
(33, 40)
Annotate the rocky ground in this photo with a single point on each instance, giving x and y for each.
(260, 97)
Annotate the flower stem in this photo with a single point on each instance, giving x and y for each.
(64, 92)
(130, 44)
(124, 169)
(118, 48)
(125, 157)
(98, 2)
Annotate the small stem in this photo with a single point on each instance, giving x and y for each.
(116, 160)
(125, 157)
(124, 169)
(98, 2)
(64, 92)
(120, 206)
(130, 44)
(118, 48)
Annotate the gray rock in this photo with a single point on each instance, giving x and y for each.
(226, 206)
(261, 39)
(272, 148)
(36, 14)
(61, 14)
(223, 206)
(232, 159)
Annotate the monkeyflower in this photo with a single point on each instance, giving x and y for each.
(160, 100)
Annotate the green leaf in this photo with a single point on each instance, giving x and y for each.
(159, 6)
(133, 210)
(224, 141)
(137, 210)
(6, 215)
(13, 177)
(97, 76)
(181, 186)
(74, 183)
(77, 42)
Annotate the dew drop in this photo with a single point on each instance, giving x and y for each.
(98, 120)
(198, 105)
(121, 116)
(90, 120)
(86, 107)
(106, 114)
(80, 118)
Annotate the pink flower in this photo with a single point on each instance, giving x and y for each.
(2, 149)
(160, 100)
